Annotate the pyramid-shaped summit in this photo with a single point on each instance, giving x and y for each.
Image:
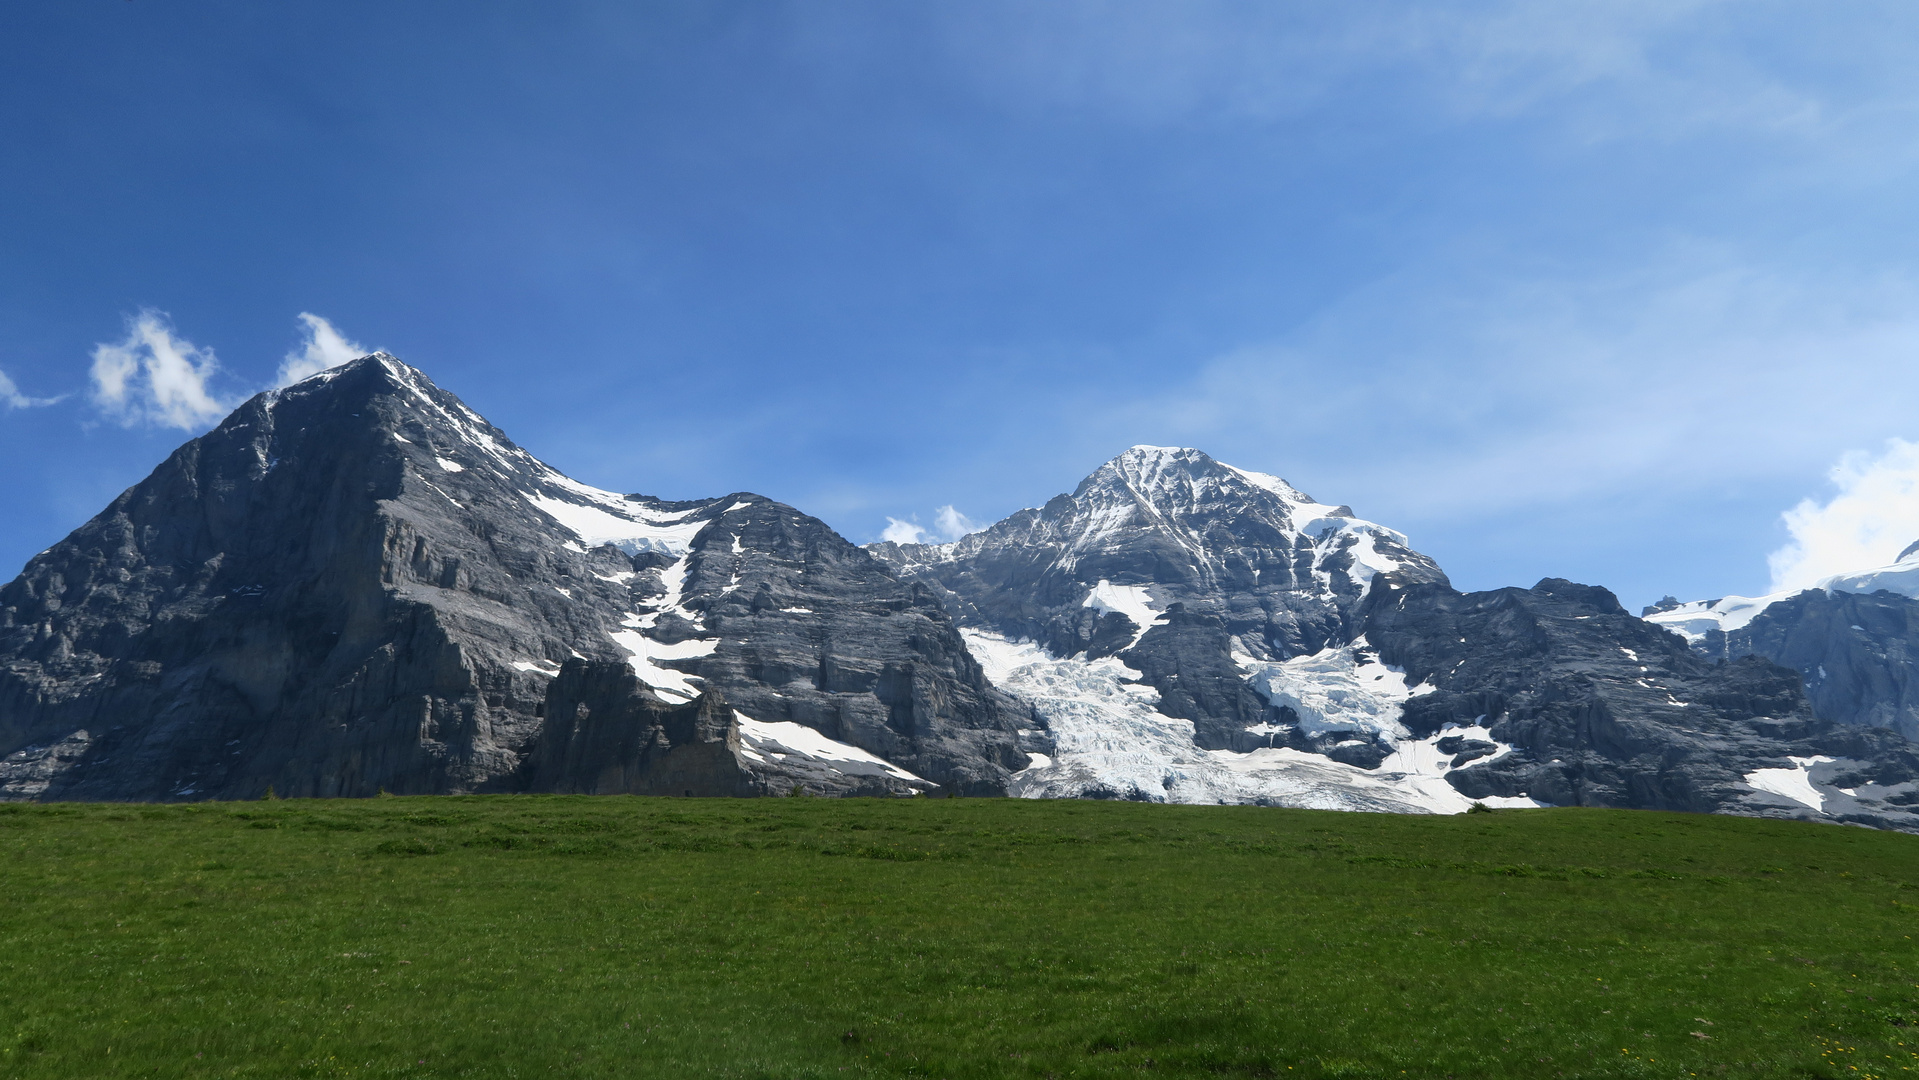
(1158, 527)
(357, 583)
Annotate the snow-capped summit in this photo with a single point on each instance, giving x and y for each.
(1188, 630)
(1157, 527)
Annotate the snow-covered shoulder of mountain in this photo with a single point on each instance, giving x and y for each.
(1901, 577)
(1693, 621)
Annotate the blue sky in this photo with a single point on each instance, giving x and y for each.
(1561, 288)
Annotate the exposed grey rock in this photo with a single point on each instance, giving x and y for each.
(1858, 654)
(606, 733)
(358, 584)
(1604, 709)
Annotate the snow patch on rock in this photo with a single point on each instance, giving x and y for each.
(784, 741)
(1794, 783)
(626, 525)
(1728, 613)
(1132, 601)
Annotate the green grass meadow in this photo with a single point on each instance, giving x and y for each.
(525, 936)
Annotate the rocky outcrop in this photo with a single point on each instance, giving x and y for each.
(357, 584)
(810, 629)
(607, 734)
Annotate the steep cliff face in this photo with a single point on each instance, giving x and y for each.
(1853, 638)
(1858, 654)
(358, 584)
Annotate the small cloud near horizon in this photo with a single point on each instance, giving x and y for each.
(325, 347)
(948, 525)
(1874, 516)
(156, 377)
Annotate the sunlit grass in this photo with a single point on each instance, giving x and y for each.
(523, 936)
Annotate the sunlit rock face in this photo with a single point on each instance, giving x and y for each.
(357, 584)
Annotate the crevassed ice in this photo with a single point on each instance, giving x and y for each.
(1340, 688)
(1110, 741)
(1132, 601)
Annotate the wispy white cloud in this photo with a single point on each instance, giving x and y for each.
(12, 398)
(154, 377)
(1605, 68)
(324, 347)
(948, 524)
(1871, 519)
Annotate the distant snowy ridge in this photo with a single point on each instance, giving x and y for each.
(1694, 620)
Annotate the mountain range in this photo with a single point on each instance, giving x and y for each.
(357, 584)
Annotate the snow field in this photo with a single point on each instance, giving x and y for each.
(781, 741)
(1794, 783)
(1110, 740)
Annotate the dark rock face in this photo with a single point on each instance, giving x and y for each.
(606, 733)
(1188, 658)
(1858, 654)
(813, 630)
(1604, 709)
(358, 584)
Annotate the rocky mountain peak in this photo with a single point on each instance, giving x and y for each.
(357, 583)
(1162, 528)
(1180, 489)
